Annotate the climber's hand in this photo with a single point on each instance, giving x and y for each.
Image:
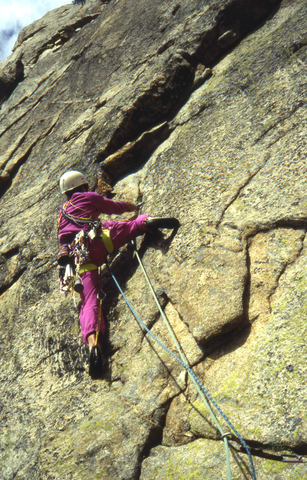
(131, 207)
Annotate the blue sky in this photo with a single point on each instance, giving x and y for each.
(16, 14)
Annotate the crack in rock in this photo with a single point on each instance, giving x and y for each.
(287, 264)
(12, 72)
(279, 121)
(63, 35)
(215, 40)
(280, 247)
(15, 145)
(152, 106)
(20, 158)
(8, 284)
(133, 155)
(31, 106)
(241, 188)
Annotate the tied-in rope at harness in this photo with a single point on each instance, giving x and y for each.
(192, 374)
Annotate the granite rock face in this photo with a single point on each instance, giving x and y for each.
(198, 109)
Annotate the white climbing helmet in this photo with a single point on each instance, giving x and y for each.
(71, 180)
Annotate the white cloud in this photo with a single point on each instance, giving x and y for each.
(17, 14)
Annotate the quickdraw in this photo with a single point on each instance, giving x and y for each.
(257, 452)
(67, 279)
(79, 247)
(70, 259)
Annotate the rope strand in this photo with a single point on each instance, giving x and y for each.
(184, 359)
(191, 373)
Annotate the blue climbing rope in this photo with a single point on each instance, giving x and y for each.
(183, 357)
(191, 373)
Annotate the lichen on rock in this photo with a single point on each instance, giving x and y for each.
(196, 109)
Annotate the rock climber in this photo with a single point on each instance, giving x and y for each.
(83, 236)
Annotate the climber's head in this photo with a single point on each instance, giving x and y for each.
(73, 181)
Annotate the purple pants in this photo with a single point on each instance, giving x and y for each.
(121, 233)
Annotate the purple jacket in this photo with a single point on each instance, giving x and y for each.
(86, 205)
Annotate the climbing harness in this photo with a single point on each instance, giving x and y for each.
(191, 373)
(107, 241)
(87, 267)
(79, 248)
(95, 224)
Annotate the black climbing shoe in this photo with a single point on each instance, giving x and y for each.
(96, 365)
(153, 223)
